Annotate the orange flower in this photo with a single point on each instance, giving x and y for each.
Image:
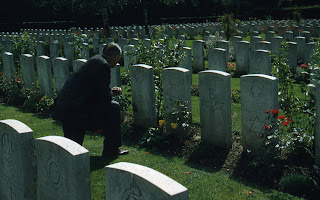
(42, 99)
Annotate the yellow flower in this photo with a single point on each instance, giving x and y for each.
(174, 125)
(161, 122)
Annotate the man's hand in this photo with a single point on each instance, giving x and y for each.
(116, 91)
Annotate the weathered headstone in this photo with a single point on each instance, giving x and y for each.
(96, 42)
(85, 54)
(77, 64)
(242, 61)
(40, 48)
(260, 62)
(128, 56)
(60, 72)
(309, 51)
(254, 40)
(223, 44)
(217, 59)
(63, 168)
(54, 49)
(115, 78)
(9, 70)
(292, 55)
(17, 161)
(143, 101)
(186, 61)
(276, 44)
(301, 43)
(176, 87)
(264, 45)
(132, 181)
(69, 51)
(45, 75)
(28, 72)
(198, 56)
(235, 44)
(259, 93)
(215, 108)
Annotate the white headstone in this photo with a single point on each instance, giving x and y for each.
(60, 72)
(77, 64)
(176, 87)
(63, 168)
(143, 100)
(9, 70)
(260, 62)
(198, 55)
(243, 57)
(45, 75)
(28, 72)
(259, 93)
(17, 161)
(133, 181)
(217, 59)
(215, 108)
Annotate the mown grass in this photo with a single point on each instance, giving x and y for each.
(203, 181)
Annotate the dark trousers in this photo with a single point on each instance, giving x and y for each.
(109, 123)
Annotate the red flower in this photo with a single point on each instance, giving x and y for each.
(147, 152)
(267, 127)
(188, 172)
(281, 117)
(17, 80)
(262, 135)
(304, 65)
(0, 73)
(268, 111)
(275, 112)
(285, 123)
(288, 119)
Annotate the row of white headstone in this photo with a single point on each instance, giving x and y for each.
(54, 167)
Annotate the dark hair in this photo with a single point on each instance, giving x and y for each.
(112, 49)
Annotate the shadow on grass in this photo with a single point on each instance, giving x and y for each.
(207, 158)
(99, 162)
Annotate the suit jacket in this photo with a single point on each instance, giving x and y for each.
(86, 94)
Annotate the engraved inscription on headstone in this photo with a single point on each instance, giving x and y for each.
(132, 193)
(54, 171)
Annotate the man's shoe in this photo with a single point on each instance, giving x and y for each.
(117, 152)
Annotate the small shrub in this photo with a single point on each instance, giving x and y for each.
(296, 184)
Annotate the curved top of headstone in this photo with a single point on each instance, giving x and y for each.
(27, 55)
(8, 53)
(177, 68)
(219, 49)
(44, 57)
(142, 65)
(67, 144)
(18, 126)
(163, 182)
(216, 72)
(60, 58)
(260, 75)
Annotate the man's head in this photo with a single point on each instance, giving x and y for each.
(112, 52)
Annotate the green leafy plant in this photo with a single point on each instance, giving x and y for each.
(296, 184)
(170, 137)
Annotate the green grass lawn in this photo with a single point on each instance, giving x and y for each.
(203, 181)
